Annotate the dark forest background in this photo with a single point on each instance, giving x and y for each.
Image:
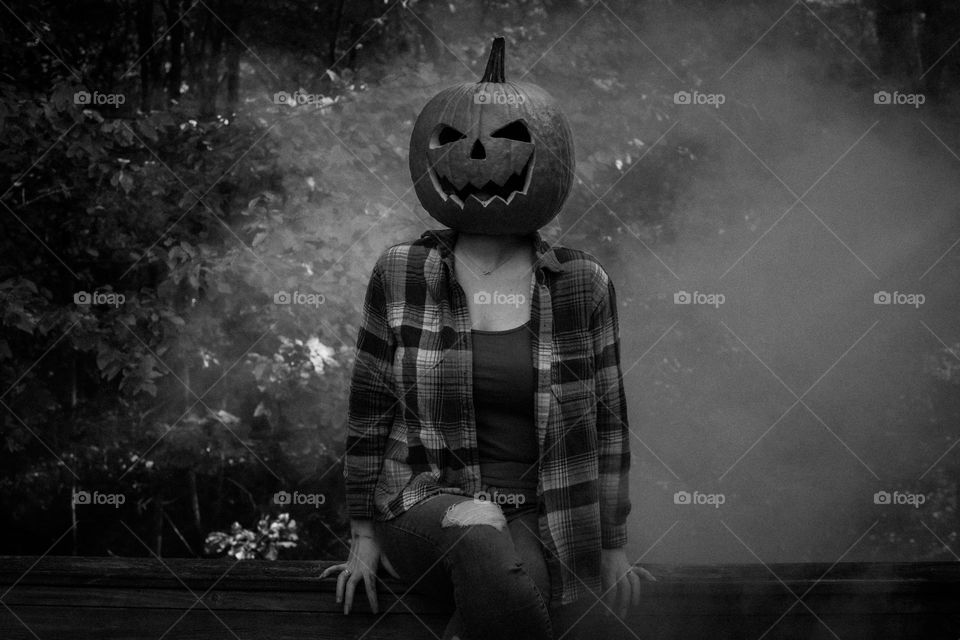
(147, 151)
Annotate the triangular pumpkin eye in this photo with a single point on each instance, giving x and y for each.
(516, 130)
(445, 134)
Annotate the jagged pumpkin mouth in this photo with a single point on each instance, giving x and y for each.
(484, 191)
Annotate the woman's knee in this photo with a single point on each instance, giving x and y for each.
(491, 583)
(530, 549)
(494, 593)
(477, 530)
(474, 512)
(486, 562)
(484, 547)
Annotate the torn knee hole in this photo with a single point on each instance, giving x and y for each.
(470, 512)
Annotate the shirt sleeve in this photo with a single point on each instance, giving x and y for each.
(372, 401)
(613, 433)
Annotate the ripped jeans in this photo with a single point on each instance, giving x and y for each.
(498, 578)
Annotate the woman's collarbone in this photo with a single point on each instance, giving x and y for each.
(498, 306)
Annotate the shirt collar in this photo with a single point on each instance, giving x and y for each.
(442, 241)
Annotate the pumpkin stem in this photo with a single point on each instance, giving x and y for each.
(494, 71)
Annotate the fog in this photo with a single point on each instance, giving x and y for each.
(713, 390)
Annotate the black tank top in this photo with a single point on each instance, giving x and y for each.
(504, 383)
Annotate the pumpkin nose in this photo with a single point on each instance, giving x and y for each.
(477, 152)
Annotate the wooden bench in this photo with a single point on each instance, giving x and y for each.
(81, 597)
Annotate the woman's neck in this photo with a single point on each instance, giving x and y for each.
(487, 251)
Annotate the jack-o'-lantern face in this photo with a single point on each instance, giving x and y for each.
(492, 157)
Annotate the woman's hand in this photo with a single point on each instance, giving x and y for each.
(621, 584)
(361, 565)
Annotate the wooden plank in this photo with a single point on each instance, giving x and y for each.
(228, 600)
(81, 598)
(62, 621)
(293, 574)
(653, 601)
(57, 622)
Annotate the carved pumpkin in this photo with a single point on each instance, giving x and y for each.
(492, 157)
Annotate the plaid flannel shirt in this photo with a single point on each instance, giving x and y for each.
(411, 431)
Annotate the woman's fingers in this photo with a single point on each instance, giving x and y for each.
(337, 567)
(623, 595)
(610, 598)
(342, 585)
(351, 587)
(613, 596)
(635, 584)
(646, 575)
(331, 569)
(371, 581)
(362, 557)
(347, 584)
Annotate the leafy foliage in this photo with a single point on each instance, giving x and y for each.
(264, 544)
